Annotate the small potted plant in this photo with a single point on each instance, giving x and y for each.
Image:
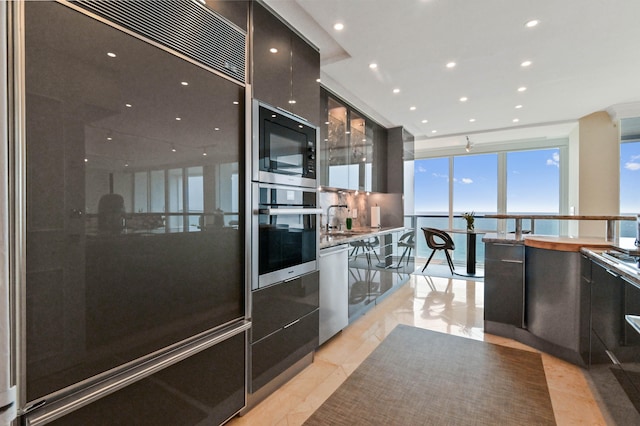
(469, 217)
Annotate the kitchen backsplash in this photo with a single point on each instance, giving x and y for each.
(359, 208)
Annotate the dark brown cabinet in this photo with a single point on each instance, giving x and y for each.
(504, 283)
(286, 69)
(285, 327)
(353, 148)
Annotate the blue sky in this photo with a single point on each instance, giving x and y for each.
(532, 183)
(630, 178)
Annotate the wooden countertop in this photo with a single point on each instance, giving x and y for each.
(565, 243)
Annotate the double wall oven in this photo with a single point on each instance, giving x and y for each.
(285, 248)
(285, 199)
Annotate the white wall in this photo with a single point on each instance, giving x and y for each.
(599, 171)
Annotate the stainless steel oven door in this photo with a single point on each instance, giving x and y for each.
(285, 232)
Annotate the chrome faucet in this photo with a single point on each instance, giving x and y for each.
(329, 227)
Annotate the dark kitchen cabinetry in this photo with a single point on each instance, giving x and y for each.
(205, 388)
(286, 69)
(353, 148)
(613, 299)
(285, 326)
(504, 283)
(373, 273)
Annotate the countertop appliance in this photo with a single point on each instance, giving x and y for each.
(334, 291)
(284, 147)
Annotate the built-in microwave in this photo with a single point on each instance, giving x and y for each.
(284, 147)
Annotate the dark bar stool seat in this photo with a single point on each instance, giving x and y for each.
(439, 240)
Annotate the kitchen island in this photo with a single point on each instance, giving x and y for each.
(370, 270)
(550, 296)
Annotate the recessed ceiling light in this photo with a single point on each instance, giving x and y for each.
(464, 99)
(86, 160)
(515, 120)
(425, 121)
(318, 80)
(433, 131)
(522, 89)
(216, 128)
(347, 132)
(472, 120)
(292, 101)
(364, 140)
(173, 148)
(396, 90)
(532, 23)
(451, 64)
(109, 138)
(373, 66)
(128, 105)
(178, 118)
(412, 108)
(184, 83)
(111, 54)
(525, 64)
(273, 50)
(518, 106)
(236, 102)
(338, 26)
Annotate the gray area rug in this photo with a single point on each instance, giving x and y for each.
(421, 377)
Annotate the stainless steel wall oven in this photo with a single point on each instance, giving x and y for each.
(286, 226)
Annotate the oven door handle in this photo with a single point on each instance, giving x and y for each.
(280, 211)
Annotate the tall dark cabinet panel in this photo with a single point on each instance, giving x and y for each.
(504, 284)
(286, 68)
(134, 204)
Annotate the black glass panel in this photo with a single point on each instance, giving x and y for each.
(205, 389)
(134, 198)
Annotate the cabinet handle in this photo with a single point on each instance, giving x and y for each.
(510, 261)
(505, 245)
(612, 273)
(293, 323)
(612, 357)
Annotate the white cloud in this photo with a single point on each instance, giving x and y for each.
(439, 176)
(421, 169)
(635, 157)
(467, 181)
(554, 160)
(630, 165)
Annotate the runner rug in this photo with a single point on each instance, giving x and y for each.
(421, 377)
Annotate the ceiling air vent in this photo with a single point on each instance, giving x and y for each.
(181, 25)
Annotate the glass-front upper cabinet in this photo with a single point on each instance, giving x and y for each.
(349, 144)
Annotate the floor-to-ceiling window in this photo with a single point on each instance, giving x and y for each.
(629, 185)
(525, 181)
(533, 186)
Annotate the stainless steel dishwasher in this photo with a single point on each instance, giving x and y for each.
(334, 291)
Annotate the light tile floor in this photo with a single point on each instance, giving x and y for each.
(439, 304)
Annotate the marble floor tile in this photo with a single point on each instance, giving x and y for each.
(441, 304)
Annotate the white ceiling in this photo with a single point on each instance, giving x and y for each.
(585, 58)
